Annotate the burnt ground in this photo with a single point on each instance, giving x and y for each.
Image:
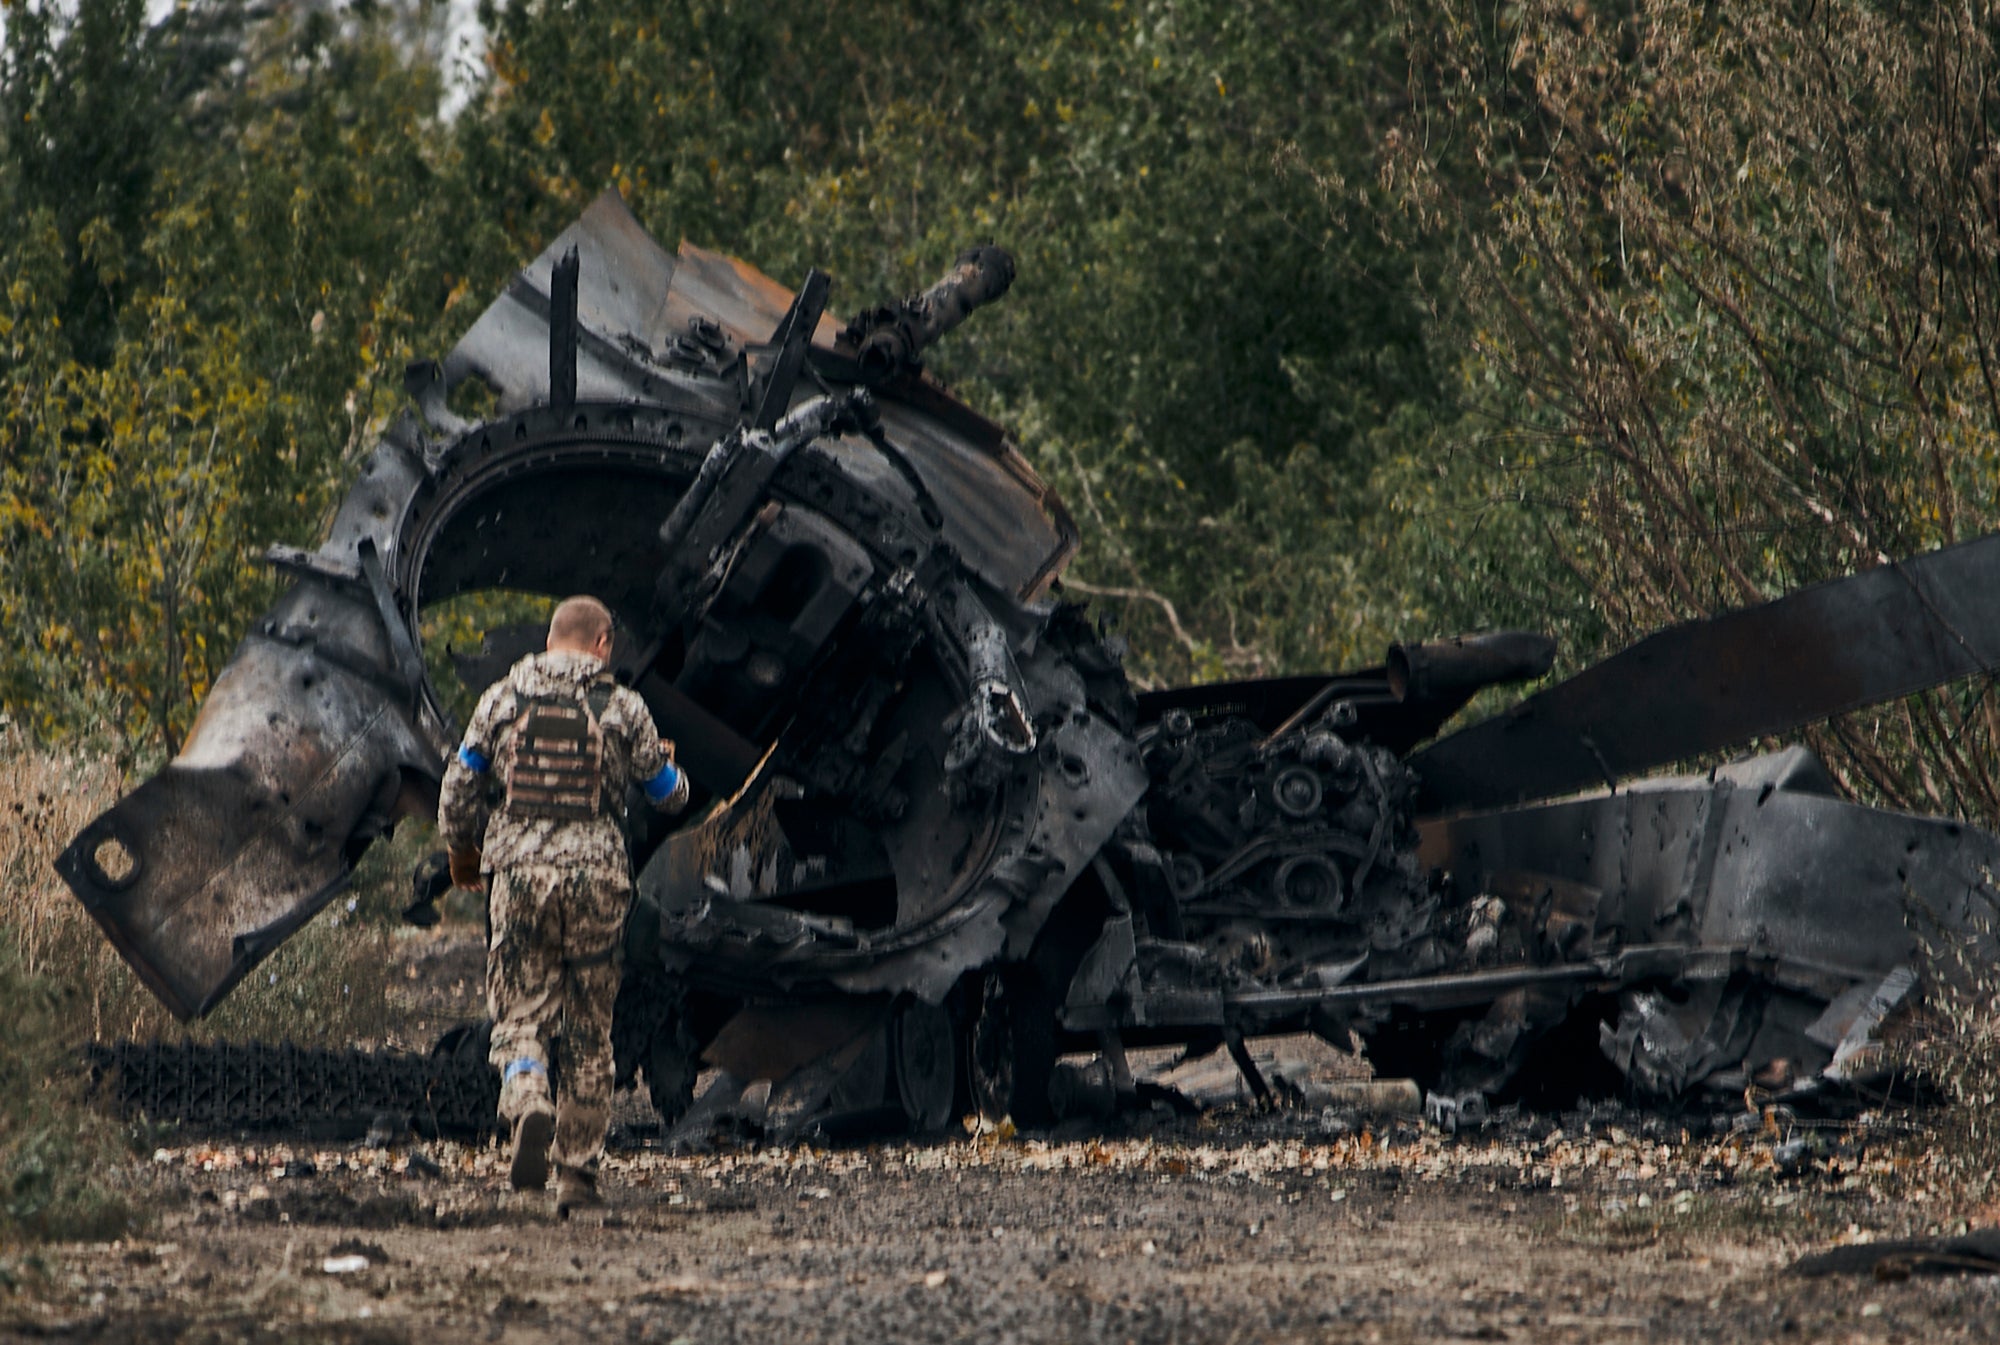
(1595, 1226)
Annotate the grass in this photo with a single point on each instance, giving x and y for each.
(58, 1157)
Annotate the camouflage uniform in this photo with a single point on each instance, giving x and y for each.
(558, 894)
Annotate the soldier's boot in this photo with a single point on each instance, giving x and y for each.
(524, 1097)
(528, 1169)
(576, 1189)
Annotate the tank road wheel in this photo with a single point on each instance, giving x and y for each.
(1012, 1051)
(923, 1058)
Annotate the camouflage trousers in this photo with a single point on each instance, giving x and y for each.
(551, 980)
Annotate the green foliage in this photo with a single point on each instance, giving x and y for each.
(458, 626)
(81, 111)
(250, 290)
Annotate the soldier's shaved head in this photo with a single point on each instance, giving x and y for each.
(579, 623)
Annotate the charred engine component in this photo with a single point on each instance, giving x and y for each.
(1277, 843)
(1268, 862)
(1309, 831)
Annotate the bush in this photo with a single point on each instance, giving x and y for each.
(61, 983)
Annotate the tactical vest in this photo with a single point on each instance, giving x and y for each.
(554, 763)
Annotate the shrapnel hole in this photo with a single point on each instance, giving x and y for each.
(114, 859)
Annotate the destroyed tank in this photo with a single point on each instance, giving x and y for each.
(939, 841)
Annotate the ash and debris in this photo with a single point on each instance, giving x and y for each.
(1617, 1157)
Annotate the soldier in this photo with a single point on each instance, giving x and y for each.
(560, 740)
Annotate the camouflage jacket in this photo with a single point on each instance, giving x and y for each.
(467, 818)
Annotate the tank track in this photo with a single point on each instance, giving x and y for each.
(313, 1092)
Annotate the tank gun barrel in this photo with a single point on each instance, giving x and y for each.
(889, 341)
(1441, 668)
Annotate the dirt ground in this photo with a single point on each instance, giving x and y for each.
(1303, 1224)
(1239, 1227)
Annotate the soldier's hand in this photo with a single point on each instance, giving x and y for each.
(465, 868)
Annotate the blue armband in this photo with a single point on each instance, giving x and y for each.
(662, 786)
(474, 760)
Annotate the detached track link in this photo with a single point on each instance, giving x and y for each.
(314, 1092)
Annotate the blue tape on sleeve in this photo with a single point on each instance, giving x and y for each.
(475, 760)
(523, 1065)
(664, 784)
